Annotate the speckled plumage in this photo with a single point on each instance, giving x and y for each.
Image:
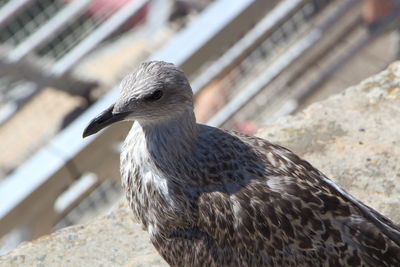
(209, 197)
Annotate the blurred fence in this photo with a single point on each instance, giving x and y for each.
(255, 52)
(41, 41)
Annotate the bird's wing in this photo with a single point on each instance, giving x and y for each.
(286, 209)
(302, 170)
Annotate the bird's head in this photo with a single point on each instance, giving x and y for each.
(155, 92)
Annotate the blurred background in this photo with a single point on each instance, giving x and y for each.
(249, 62)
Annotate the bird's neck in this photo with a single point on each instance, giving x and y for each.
(170, 139)
(149, 153)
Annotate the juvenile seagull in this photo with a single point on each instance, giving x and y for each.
(210, 197)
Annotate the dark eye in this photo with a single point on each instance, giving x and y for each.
(157, 94)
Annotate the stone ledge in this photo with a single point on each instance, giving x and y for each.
(353, 137)
(112, 240)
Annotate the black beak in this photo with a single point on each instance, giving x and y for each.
(105, 118)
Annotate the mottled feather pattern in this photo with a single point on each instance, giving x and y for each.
(210, 197)
(260, 206)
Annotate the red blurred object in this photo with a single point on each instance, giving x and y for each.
(374, 10)
(246, 127)
(103, 9)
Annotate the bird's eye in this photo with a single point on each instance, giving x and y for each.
(157, 94)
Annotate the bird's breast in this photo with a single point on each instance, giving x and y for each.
(151, 195)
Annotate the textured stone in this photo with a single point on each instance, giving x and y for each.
(352, 137)
(113, 240)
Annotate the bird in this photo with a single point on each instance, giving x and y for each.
(213, 197)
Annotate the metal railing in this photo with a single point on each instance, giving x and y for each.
(279, 64)
(40, 43)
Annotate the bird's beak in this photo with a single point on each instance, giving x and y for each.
(104, 119)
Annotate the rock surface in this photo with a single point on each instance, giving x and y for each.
(112, 240)
(353, 137)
